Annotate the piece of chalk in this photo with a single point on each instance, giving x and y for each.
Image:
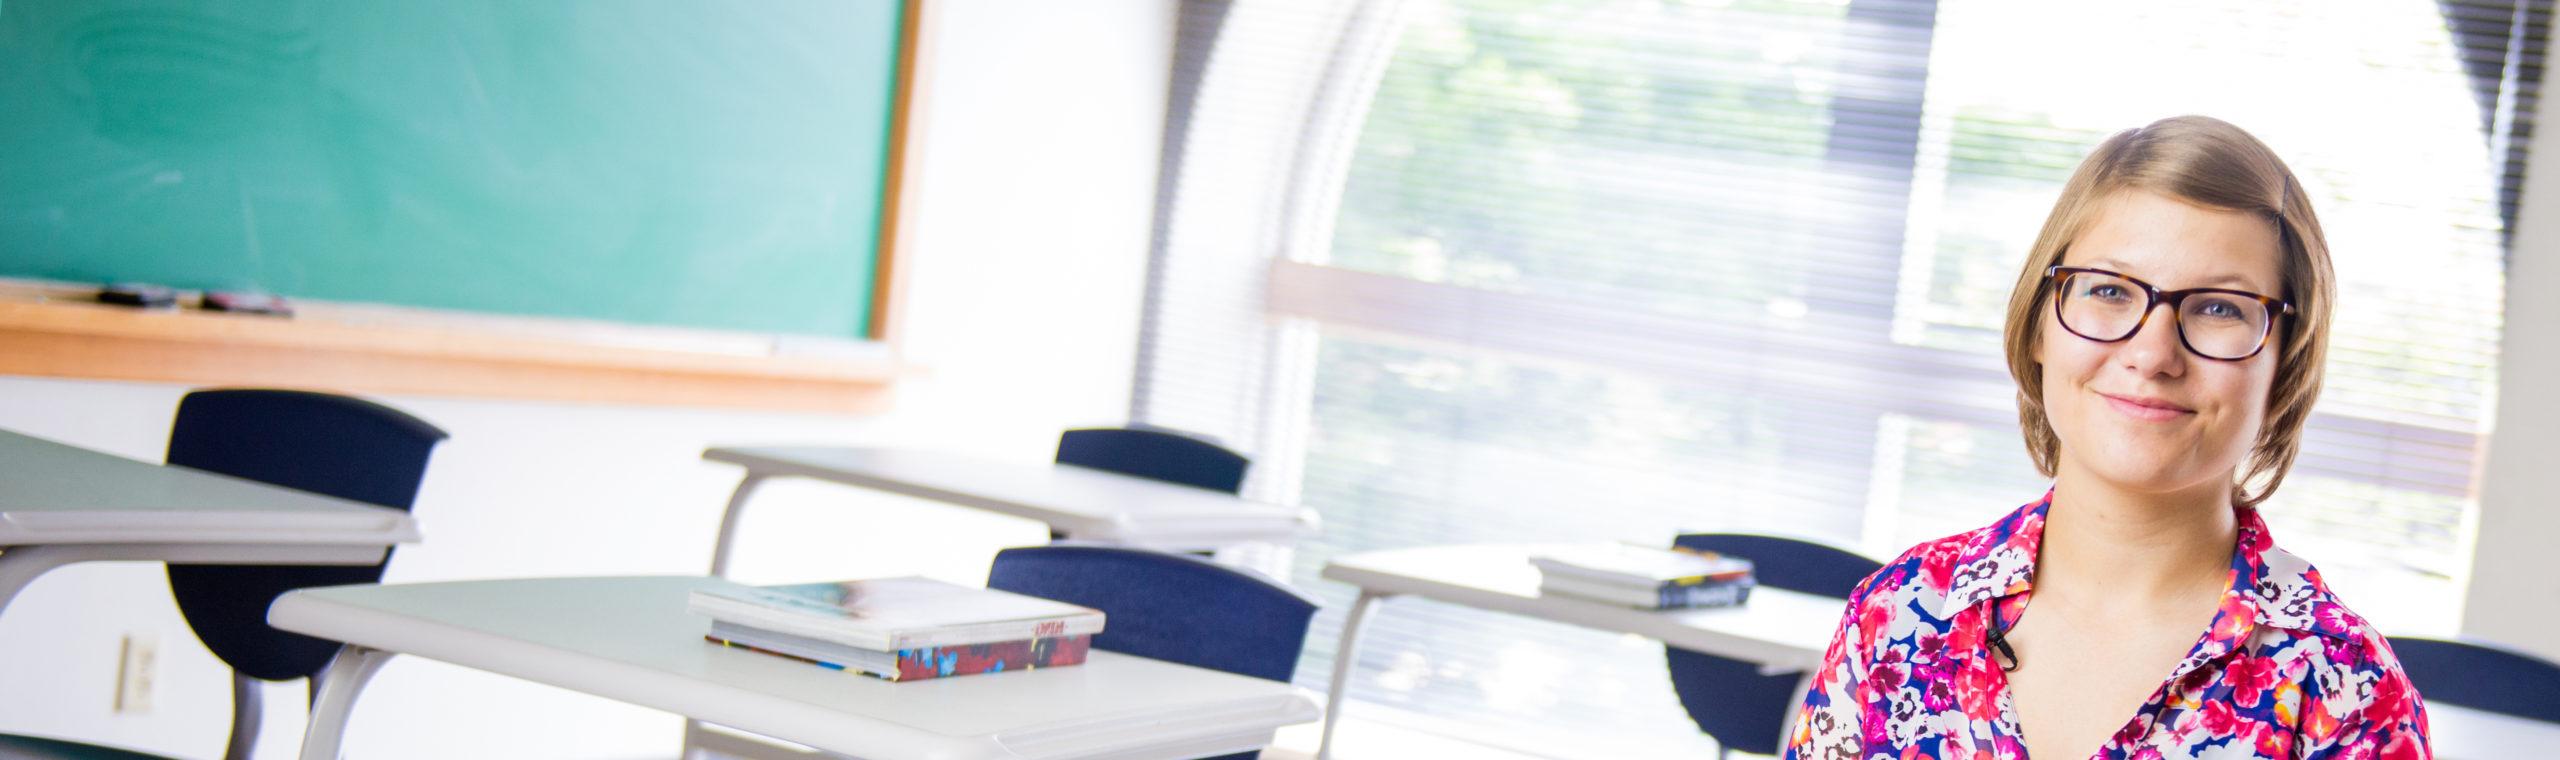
(247, 303)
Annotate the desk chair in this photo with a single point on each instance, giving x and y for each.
(1167, 606)
(1157, 454)
(1154, 453)
(333, 445)
(2481, 676)
(1731, 700)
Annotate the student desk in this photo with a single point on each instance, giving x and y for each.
(630, 639)
(1782, 631)
(62, 504)
(2461, 733)
(1079, 502)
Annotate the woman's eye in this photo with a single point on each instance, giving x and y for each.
(2225, 310)
(2107, 292)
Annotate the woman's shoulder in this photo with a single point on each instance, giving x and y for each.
(2290, 595)
(1947, 573)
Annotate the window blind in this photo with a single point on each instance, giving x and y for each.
(1481, 270)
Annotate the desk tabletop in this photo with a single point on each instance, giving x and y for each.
(2461, 733)
(1782, 630)
(630, 639)
(54, 493)
(1083, 502)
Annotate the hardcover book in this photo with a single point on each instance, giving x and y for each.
(1640, 566)
(1725, 593)
(912, 664)
(891, 614)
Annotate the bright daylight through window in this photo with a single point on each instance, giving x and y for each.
(1634, 268)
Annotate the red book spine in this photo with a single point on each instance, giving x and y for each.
(972, 659)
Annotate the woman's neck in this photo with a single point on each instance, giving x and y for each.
(2104, 545)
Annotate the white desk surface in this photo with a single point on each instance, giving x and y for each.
(2460, 733)
(630, 639)
(1081, 502)
(1783, 631)
(57, 494)
(1780, 629)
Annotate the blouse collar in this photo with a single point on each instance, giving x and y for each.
(2269, 586)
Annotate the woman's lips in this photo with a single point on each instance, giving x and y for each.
(2156, 411)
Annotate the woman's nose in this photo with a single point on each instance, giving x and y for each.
(2155, 346)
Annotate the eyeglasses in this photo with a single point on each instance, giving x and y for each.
(2214, 323)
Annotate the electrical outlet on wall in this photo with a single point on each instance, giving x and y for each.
(136, 672)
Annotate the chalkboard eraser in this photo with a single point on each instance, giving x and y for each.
(140, 294)
(247, 303)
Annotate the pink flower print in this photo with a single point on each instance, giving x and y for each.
(2404, 746)
(1967, 637)
(2253, 537)
(2270, 740)
(2235, 618)
(2219, 719)
(1889, 672)
(1939, 695)
(1875, 615)
(2390, 699)
(2250, 678)
(2131, 733)
(1938, 566)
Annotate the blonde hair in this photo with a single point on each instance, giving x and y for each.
(2210, 163)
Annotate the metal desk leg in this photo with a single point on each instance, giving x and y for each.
(729, 522)
(20, 566)
(693, 730)
(1344, 655)
(345, 677)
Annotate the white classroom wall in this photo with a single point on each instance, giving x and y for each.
(1037, 178)
(2515, 590)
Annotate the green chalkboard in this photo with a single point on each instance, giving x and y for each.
(691, 163)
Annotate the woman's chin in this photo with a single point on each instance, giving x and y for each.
(2146, 472)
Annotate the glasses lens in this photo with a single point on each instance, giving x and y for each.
(2100, 306)
(2222, 325)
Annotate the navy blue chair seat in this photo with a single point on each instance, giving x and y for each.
(2481, 676)
(333, 445)
(1172, 607)
(1730, 700)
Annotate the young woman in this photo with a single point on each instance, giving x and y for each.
(2167, 337)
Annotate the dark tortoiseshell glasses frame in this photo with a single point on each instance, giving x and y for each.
(2176, 299)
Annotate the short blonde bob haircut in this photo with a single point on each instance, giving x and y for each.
(2209, 163)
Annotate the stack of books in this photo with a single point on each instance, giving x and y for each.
(1644, 577)
(900, 629)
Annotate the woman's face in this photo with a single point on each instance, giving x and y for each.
(2143, 413)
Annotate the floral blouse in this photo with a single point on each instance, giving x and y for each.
(2284, 670)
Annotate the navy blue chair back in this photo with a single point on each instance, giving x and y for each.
(1168, 606)
(1157, 454)
(1730, 699)
(1172, 607)
(2481, 677)
(333, 445)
